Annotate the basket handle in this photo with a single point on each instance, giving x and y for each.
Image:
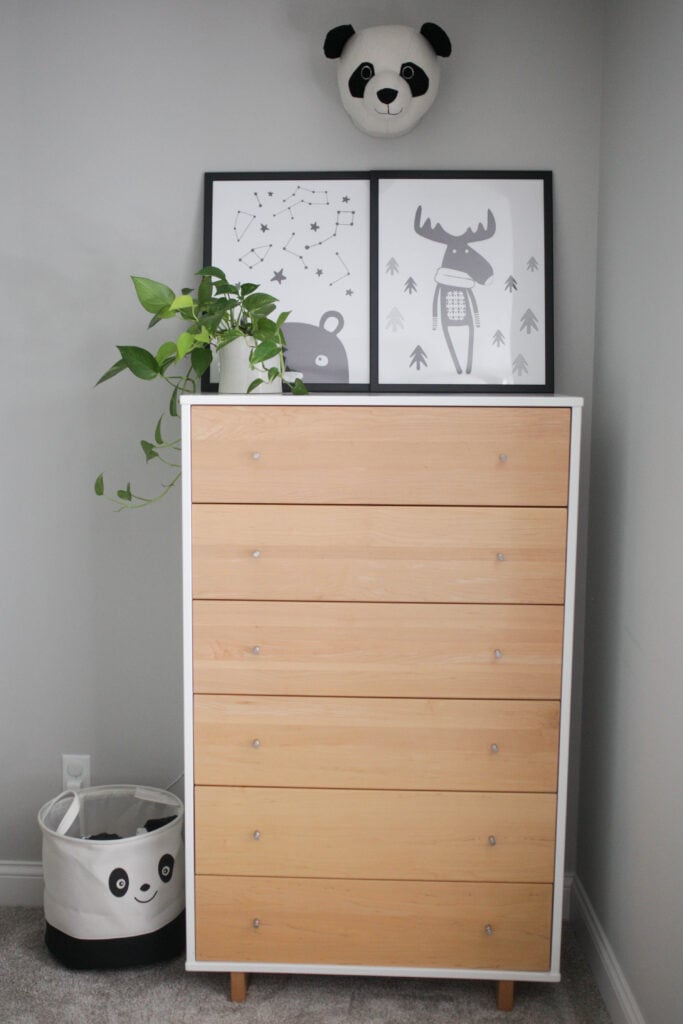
(71, 812)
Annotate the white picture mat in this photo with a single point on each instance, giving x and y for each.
(510, 345)
(306, 242)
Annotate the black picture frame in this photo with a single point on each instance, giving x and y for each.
(390, 295)
(304, 237)
(437, 326)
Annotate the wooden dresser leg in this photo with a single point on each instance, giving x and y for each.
(506, 995)
(238, 986)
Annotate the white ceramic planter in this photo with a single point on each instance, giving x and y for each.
(236, 374)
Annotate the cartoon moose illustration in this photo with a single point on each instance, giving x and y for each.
(461, 268)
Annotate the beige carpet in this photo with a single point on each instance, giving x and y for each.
(35, 989)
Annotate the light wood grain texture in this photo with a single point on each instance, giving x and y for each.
(363, 553)
(380, 456)
(383, 650)
(342, 833)
(371, 743)
(425, 924)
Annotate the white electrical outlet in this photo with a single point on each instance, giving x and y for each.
(75, 771)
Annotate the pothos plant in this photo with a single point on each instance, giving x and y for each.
(213, 315)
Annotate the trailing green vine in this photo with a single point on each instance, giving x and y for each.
(213, 315)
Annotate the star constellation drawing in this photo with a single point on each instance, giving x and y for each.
(267, 213)
(252, 257)
(347, 272)
(242, 223)
(311, 197)
(345, 219)
(297, 255)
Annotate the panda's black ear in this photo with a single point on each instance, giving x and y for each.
(440, 42)
(336, 39)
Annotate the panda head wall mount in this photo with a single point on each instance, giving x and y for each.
(388, 76)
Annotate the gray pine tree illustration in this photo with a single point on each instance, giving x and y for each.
(532, 264)
(498, 339)
(394, 321)
(410, 285)
(510, 284)
(520, 365)
(418, 357)
(392, 266)
(528, 321)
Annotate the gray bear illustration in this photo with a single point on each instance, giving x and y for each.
(316, 351)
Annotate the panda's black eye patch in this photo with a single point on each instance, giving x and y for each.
(166, 867)
(415, 77)
(360, 78)
(118, 882)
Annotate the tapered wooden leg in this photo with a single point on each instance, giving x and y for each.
(506, 995)
(238, 986)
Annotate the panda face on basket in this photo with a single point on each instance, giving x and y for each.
(388, 76)
(119, 881)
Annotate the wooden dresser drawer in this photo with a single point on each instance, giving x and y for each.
(503, 926)
(372, 743)
(347, 833)
(382, 650)
(367, 553)
(359, 455)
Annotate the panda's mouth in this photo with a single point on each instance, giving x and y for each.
(146, 901)
(388, 113)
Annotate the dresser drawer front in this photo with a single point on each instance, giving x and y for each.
(382, 455)
(354, 553)
(371, 743)
(345, 833)
(383, 650)
(383, 923)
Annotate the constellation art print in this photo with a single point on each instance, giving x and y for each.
(307, 242)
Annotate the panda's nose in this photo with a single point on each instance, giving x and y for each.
(387, 95)
(144, 888)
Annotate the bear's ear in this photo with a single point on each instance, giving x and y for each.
(336, 39)
(440, 42)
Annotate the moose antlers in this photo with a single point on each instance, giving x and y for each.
(439, 234)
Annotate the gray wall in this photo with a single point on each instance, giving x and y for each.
(631, 823)
(115, 111)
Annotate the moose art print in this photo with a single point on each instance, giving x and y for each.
(463, 273)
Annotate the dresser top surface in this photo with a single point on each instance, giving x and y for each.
(431, 400)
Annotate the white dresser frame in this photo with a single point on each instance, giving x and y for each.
(431, 400)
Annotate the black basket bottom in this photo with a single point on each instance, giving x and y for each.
(132, 951)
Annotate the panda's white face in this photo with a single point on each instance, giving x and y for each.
(388, 79)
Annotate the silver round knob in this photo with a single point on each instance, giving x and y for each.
(257, 834)
(256, 923)
(257, 554)
(256, 743)
(498, 653)
(500, 556)
(494, 748)
(256, 649)
(488, 929)
(492, 840)
(256, 455)
(503, 457)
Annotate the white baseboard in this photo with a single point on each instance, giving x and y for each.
(21, 883)
(609, 976)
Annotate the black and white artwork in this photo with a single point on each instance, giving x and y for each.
(464, 283)
(306, 241)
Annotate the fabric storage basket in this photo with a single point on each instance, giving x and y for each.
(113, 866)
